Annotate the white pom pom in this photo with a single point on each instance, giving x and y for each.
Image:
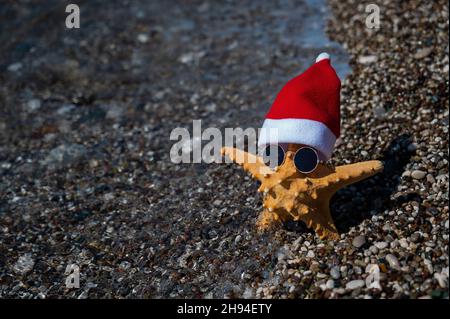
(322, 56)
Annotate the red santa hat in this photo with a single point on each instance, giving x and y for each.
(307, 110)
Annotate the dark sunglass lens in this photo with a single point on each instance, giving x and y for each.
(305, 160)
(273, 156)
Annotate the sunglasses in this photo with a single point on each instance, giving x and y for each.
(306, 158)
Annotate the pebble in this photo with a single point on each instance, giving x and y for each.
(24, 264)
(125, 265)
(406, 173)
(381, 245)
(64, 109)
(355, 284)
(114, 111)
(373, 277)
(14, 67)
(191, 57)
(248, 293)
(417, 174)
(393, 261)
(143, 37)
(367, 59)
(359, 241)
(394, 244)
(442, 280)
(429, 265)
(423, 53)
(335, 273)
(379, 112)
(321, 275)
(65, 154)
(403, 243)
(415, 237)
(34, 104)
(330, 284)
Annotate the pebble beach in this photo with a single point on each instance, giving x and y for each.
(86, 177)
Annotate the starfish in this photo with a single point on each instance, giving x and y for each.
(291, 195)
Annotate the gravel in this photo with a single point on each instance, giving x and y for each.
(393, 261)
(330, 284)
(359, 241)
(355, 284)
(24, 264)
(86, 178)
(381, 245)
(335, 273)
(417, 174)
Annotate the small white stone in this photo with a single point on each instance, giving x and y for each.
(381, 245)
(34, 104)
(367, 59)
(355, 284)
(248, 293)
(445, 69)
(143, 37)
(321, 275)
(373, 249)
(370, 268)
(66, 108)
(429, 265)
(14, 67)
(373, 279)
(403, 243)
(422, 53)
(442, 280)
(406, 173)
(418, 174)
(330, 284)
(191, 57)
(335, 273)
(430, 178)
(24, 264)
(359, 241)
(393, 261)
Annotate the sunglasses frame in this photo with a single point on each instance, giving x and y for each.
(301, 148)
(317, 156)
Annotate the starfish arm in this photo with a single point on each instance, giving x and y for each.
(321, 222)
(352, 173)
(266, 220)
(250, 162)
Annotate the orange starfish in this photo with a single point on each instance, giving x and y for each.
(291, 195)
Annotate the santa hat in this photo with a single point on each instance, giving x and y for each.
(307, 110)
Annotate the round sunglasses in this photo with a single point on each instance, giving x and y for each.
(306, 158)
